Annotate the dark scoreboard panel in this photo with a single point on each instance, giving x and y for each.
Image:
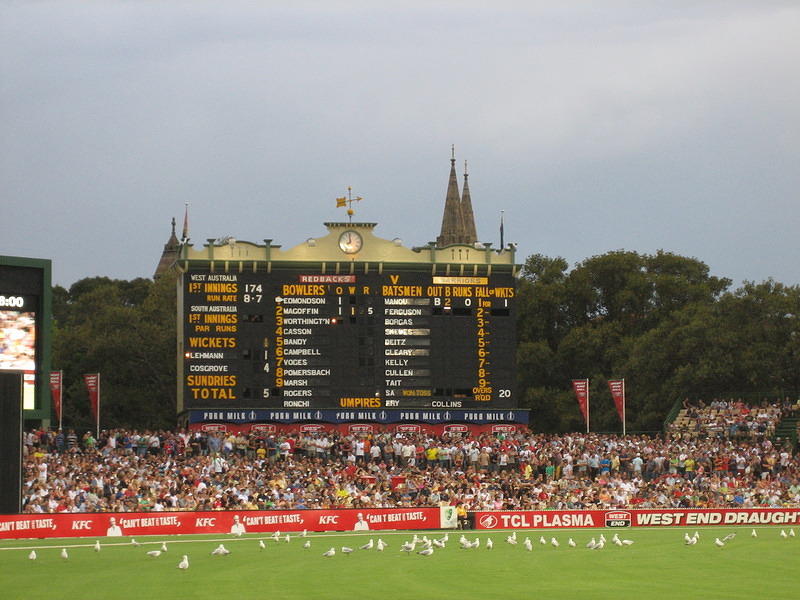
(290, 339)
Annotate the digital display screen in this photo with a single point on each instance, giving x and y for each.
(17, 340)
(296, 339)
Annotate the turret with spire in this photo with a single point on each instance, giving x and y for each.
(458, 221)
(170, 253)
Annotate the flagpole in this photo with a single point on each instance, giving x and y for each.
(623, 407)
(501, 229)
(587, 406)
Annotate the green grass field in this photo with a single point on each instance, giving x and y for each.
(657, 565)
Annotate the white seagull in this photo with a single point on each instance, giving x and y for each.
(627, 542)
(184, 564)
(261, 544)
(591, 544)
(329, 553)
(528, 545)
(154, 553)
(97, 546)
(600, 545)
(381, 545)
(407, 547)
(64, 553)
(32, 555)
(791, 533)
(783, 534)
(426, 552)
(220, 551)
(687, 539)
(368, 546)
(554, 542)
(718, 542)
(489, 544)
(729, 537)
(305, 533)
(571, 543)
(287, 538)
(134, 542)
(615, 538)
(346, 550)
(438, 543)
(307, 544)
(163, 546)
(617, 541)
(602, 538)
(276, 535)
(696, 535)
(512, 540)
(753, 533)
(542, 541)
(476, 543)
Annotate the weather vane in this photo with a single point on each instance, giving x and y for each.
(348, 201)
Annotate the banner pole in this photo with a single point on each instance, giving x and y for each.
(587, 406)
(97, 428)
(61, 399)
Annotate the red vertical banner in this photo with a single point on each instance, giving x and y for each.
(56, 389)
(581, 387)
(92, 381)
(617, 389)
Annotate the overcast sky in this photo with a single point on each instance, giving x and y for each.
(595, 126)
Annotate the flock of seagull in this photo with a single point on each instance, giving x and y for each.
(427, 546)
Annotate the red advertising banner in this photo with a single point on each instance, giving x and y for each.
(547, 519)
(617, 389)
(92, 381)
(56, 387)
(220, 522)
(453, 430)
(581, 387)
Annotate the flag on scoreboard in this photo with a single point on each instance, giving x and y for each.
(581, 387)
(92, 381)
(56, 388)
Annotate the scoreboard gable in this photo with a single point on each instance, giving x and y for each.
(293, 338)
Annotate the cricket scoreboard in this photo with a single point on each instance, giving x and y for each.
(338, 333)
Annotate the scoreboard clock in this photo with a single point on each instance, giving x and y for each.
(295, 338)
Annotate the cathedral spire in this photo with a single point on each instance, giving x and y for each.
(470, 234)
(170, 253)
(452, 219)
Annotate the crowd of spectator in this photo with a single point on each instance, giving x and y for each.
(163, 471)
(734, 419)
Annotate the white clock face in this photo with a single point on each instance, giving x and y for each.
(350, 242)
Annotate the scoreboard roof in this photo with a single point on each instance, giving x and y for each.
(344, 246)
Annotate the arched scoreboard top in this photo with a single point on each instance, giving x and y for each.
(346, 320)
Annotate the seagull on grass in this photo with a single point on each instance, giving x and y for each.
(718, 542)
(627, 542)
(791, 533)
(287, 538)
(329, 553)
(261, 544)
(591, 544)
(134, 542)
(368, 546)
(601, 544)
(528, 545)
(554, 542)
(489, 544)
(163, 546)
(407, 547)
(64, 553)
(305, 533)
(307, 544)
(729, 537)
(617, 541)
(438, 543)
(511, 540)
(381, 545)
(220, 551)
(154, 553)
(32, 555)
(97, 546)
(571, 543)
(346, 550)
(542, 541)
(426, 552)
(276, 535)
(184, 564)
(753, 533)
(783, 534)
